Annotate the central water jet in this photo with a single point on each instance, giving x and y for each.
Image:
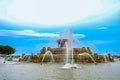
(66, 41)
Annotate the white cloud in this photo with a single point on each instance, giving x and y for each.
(102, 28)
(79, 35)
(26, 33)
(53, 11)
(32, 33)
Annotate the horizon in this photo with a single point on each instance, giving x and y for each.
(95, 23)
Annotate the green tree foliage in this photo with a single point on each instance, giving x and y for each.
(6, 49)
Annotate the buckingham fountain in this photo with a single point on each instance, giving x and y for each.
(67, 52)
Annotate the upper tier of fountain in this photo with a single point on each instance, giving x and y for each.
(65, 36)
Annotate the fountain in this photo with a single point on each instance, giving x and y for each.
(67, 64)
(47, 52)
(67, 52)
(87, 54)
(105, 57)
(66, 41)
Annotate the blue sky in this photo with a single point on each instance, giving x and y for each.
(28, 25)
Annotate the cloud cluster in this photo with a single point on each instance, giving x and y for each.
(32, 33)
(53, 12)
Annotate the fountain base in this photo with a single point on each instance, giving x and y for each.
(69, 66)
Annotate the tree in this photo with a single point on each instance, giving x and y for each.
(6, 50)
(1, 49)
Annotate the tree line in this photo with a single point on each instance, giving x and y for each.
(6, 50)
